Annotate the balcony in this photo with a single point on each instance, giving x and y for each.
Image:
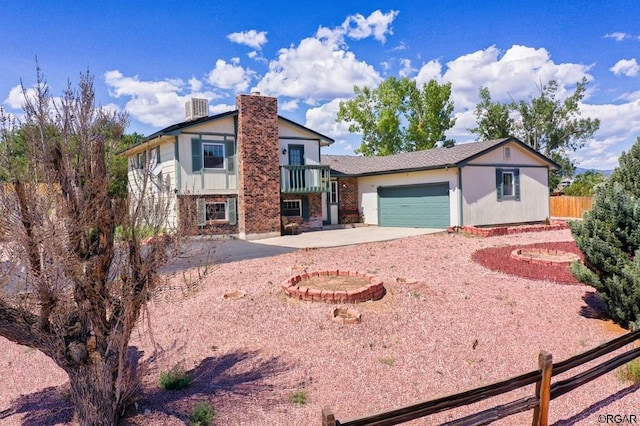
(304, 179)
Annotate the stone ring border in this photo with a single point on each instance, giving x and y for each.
(294, 287)
(568, 257)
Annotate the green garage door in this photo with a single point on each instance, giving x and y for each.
(416, 206)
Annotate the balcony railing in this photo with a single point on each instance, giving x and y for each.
(304, 179)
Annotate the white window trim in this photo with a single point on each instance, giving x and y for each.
(226, 211)
(295, 201)
(513, 184)
(224, 156)
(334, 183)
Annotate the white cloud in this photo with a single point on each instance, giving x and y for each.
(195, 84)
(629, 96)
(377, 24)
(627, 67)
(158, 103)
(618, 36)
(230, 76)
(406, 70)
(323, 119)
(316, 70)
(15, 99)
(514, 74)
(252, 38)
(220, 108)
(290, 105)
(429, 71)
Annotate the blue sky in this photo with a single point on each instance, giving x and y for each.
(150, 57)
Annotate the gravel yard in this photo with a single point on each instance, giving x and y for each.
(446, 325)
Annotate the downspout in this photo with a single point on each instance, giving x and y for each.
(176, 155)
(460, 217)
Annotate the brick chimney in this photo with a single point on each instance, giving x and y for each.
(258, 167)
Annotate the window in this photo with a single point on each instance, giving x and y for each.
(141, 160)
(508, 189)
(216, 211)
(291, 208)
(508, 184)
(213, 155)
(507, 152)
(333, 197)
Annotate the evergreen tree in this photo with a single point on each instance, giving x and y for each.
(609, 237)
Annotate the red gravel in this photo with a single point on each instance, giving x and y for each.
(499, 259)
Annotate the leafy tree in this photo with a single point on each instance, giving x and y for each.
(429, 114)
(68, 289)
(119, 166)
(397, 116)
(492, 118)
(546, 123)
(549, 124)
(609, 237)
(584, 184)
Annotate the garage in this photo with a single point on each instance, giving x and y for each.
(416, 206)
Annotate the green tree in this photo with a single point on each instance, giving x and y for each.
(397, 116)
(80, 293)
(119, 166)
(492, 118)
(430, 115)
(549, 125)
(609, 237)
(584, 184)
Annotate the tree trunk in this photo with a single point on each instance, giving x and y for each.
(94, 391)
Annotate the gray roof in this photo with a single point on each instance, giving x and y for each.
(435, 158)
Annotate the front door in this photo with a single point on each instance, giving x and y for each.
(296, 158)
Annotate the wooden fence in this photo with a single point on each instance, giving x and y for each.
(539, 403)
(568, 206)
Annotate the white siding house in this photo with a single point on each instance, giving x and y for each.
(482, 183)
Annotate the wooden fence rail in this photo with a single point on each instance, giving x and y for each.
(545, 391)
(568, 206)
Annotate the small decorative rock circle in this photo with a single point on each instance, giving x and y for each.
(544, 256)
(294, 287)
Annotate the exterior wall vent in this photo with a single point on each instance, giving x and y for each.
(196, 108)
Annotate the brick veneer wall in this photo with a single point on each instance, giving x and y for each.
(258, 167)
(314, 203)
(187, 211)
(348, 211)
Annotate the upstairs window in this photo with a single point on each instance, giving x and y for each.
(213, 155)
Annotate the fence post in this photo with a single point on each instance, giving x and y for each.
(543, 390)
(328, 419)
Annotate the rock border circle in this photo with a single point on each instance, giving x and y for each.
(294, 287)
(563, 257)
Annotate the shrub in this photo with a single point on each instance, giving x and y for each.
(299, 397)
(630, 372)
(174, 379)
(609, 238)
(202, 415)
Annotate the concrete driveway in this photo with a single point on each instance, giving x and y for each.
(201, 252)
(344, 237)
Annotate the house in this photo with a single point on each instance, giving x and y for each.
(482, 183)
(249, 171)
(233, 173)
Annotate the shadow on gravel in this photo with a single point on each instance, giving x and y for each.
(44, 408)
(592, 411)
(240, 374)
(595, 309)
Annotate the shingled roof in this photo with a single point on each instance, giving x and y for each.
(436, 158)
